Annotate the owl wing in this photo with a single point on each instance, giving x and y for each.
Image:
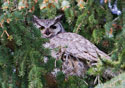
(77, 46)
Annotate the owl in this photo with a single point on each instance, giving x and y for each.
(76, 52)
(49, 27)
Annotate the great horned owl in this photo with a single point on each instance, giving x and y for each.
(74, 50)
(49, 27)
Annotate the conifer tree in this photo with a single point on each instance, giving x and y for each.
(21, 51)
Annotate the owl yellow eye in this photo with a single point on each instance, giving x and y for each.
(42, 27)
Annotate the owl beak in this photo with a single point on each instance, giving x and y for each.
(47, 33)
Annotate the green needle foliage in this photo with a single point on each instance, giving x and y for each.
(117, 82)
(21, 58)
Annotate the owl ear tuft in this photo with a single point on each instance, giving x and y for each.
(58, 18)
(36, 21)
(35, 18)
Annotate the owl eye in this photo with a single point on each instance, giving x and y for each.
(42, 27)
(53, 27)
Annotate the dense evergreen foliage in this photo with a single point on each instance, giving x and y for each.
(117, 82)
(22, 53)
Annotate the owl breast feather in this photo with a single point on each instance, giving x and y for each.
(77, 46)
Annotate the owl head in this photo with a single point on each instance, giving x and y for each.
(49, 27)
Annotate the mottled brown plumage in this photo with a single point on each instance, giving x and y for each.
(77, 46)
(76, 52)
